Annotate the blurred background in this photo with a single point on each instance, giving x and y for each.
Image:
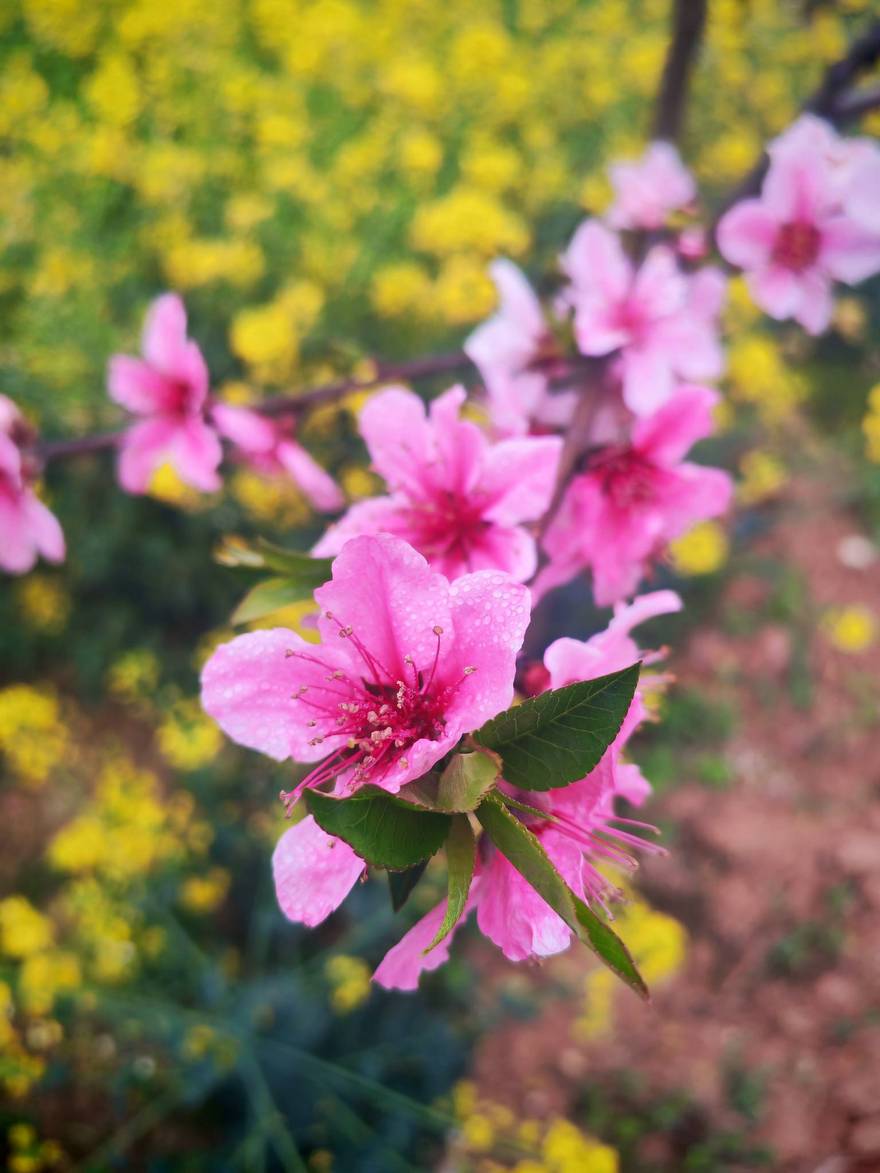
(325, 181)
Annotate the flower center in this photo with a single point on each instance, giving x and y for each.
(178, 397)
(626, 478)
(631, 318)
(796, 246)
(378, 714)
(449, 524)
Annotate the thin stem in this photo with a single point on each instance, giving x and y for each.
(577, 440)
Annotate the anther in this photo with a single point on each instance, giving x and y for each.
(469, 670)
(438, 630)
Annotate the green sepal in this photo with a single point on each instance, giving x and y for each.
(384, 833)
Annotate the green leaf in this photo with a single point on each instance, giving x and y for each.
(523, 849)
(262, 555)
(270, 595)
(556, 738)
(401, 884)
(461, 855)
(294, 564)
(460, 787)
(385, 833)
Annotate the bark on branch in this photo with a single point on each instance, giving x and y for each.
(688, 23)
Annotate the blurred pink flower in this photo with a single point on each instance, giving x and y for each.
(860, 195)
(649, 188)
(27, 527)
(661, 321)
(805, 230)
(272, 450)
(569, 660)
(180, 423)
(407, 665)
(457, 498)
(516, 354)
(618, 515)
(168, 388)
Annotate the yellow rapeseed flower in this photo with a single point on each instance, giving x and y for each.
(463, 291)
(851, 629)
(702, 550)
(349, 979)
(44, 603)
(567, 1150)
(24, 930)
(205, 893)
(187, 738)
(33, 737)
(871, 425)
(44, 976)
(763, 475)
(265, 338)
(401, 290)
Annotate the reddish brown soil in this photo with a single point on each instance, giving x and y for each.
(786, 858)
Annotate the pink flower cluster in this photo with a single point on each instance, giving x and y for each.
(579, 830)
(28, 528)
(634, 497)
(180, 423)
(816, 221)
(408, 663)
(653, 323)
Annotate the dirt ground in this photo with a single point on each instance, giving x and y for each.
(772, 1029)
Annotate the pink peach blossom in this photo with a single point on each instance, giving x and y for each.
(648, 189)
(274, 451)
(632, 499)
(314, 872)
(662, 322)
(577, 828)
(28, 528)
(795, 240)
(569, 660)
(509, 911)
(168, 389)
(455, 497)
(407, 665)
(517, 356)
(861, 189)
(179, 422)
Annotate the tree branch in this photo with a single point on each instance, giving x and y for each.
(417, 368)
(688, 23)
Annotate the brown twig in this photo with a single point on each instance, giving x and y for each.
(857, 103)
(833, 100)
(578, 438)
(688, 23)
(418, 368)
